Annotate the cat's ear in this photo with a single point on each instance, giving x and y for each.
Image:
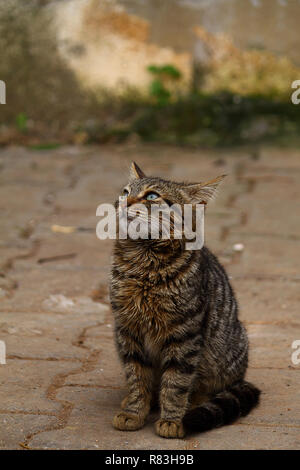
(135, 172)
(203, 192)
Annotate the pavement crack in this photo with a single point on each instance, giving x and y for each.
(51, 359)
(9, 263)
(23, 412)
(87, 364)
(249, 184)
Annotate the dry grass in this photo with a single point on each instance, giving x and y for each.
(245, 72)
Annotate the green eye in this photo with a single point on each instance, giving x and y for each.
(152, 196)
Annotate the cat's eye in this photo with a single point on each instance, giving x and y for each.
(152, 196)
(125, 192)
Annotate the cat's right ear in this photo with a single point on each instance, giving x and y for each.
(135, 172)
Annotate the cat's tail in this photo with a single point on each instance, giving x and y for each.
(223, 408)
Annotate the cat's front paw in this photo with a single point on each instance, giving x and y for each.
(169, 429)
(127, 422)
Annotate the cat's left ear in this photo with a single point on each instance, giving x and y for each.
(135, 172)
(203, 192)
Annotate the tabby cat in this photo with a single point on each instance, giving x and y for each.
(176, 325)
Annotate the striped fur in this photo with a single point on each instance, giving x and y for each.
(176, 328)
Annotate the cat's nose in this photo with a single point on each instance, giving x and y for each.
(122, 202)
(122, 206)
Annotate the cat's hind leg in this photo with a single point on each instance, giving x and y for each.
(174, 399)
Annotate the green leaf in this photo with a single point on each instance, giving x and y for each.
(21, 122)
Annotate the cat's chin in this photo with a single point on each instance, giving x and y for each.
(157, 246)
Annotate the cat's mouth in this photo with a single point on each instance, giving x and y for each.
(125, 215)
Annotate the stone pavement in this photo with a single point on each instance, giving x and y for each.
(62, 382)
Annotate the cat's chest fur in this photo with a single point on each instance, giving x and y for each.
(147, 296)
(145, 301)
(144, 313)
(143, 306)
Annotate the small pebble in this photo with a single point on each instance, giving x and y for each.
(238, 247)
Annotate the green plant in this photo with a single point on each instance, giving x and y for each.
(21, 122)
(168, 70)
(160, 86)
(159, 92)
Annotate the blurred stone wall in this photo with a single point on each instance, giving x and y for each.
(110, 43)
(110, 48)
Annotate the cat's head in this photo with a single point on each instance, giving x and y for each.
(148, 191)
(152, 190)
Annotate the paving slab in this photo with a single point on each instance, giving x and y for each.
(47, 336)
(271, 345)
(92, 413)
(247, 437)
(284, 388)
(68, 280)
(19, 426)
(24, 385)
(267, 299)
